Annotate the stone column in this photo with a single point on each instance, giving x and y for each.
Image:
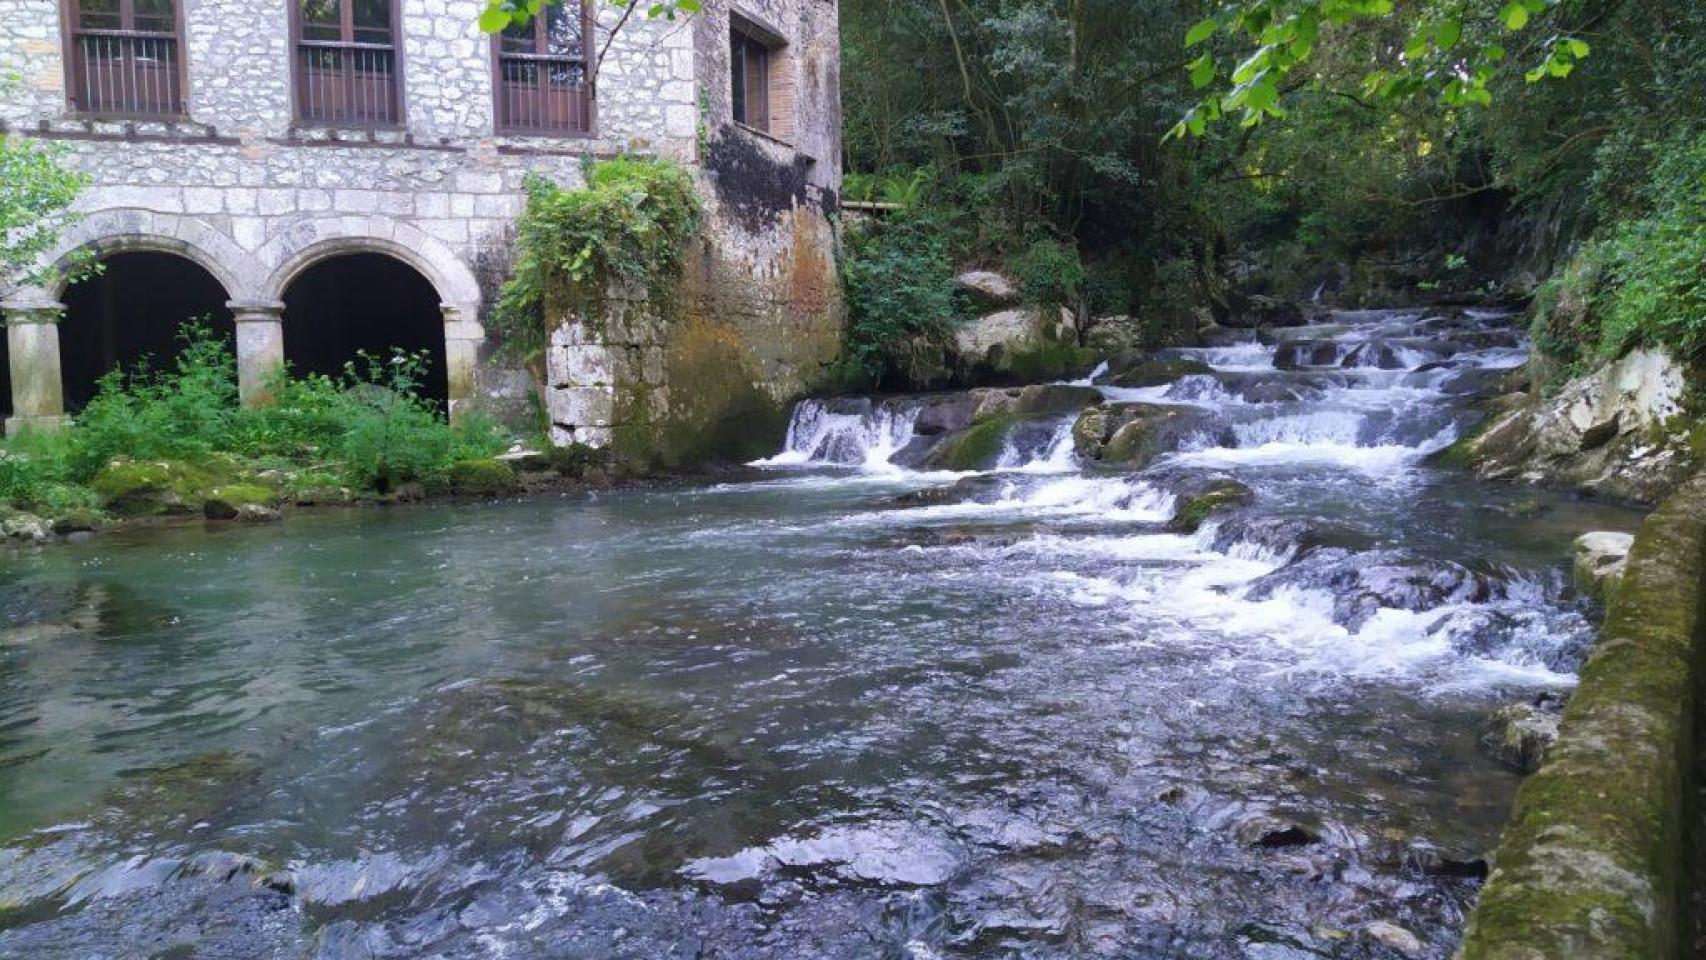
(260, 348)
(462, 338)
(32, 344)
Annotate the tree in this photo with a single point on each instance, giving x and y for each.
(1452, 48)
(36, 194)
(500, 15)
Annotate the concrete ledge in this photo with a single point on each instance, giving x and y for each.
(1594, 859)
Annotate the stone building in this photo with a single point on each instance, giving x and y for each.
(322, 177)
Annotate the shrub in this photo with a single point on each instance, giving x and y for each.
(1050, 274)
(370, 426)
(899, 286)
(629, 225)
(1657, 263)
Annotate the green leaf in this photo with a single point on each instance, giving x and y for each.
(1578, 47)
(1514, 15)
(1417, 46)
(1202, 71)
(494, 19)
(688, 6)
(1447, 34)
(1202, 31)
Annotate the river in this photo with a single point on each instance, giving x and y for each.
(847, 709)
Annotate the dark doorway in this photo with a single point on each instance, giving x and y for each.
(369, 302)
(133, 309)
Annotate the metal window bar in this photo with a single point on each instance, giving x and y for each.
(126, 73)
(544, 93)
(353, 84)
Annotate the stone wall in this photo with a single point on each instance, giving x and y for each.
(1594, 862)
(238, 186)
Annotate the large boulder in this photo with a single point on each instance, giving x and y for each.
(1136, 434)
(987, 290)
(149, 487)
(1036, 400)
(1617, 432)
(1151, 371)
(1362, 583)
(1600, 557)
(1021, 345)
(1210, 497)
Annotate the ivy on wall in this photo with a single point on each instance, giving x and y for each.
(628, 227)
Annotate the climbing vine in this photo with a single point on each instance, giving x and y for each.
(628, 226)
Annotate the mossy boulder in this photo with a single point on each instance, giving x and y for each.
(1154, 371)
(240, 501)
(1136, 434)
(135, 488)
(1036, 400)
(483, 477)
(1219, 496)
(977, 447)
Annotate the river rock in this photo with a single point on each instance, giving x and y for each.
(1135, 434)
(987, 290)
(1004, 333)
(1274, 833)
(1362, 583)
(1520, 734)
(1394, 937)
(1600, 557)
(18, 525)
(1036, 400)
(945, 412)
(1154, 371)
(1615, 432)
(1212, 496)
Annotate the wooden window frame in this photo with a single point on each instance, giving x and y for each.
(779, 81)
(70, 17)
(399, 87)
(501, 124)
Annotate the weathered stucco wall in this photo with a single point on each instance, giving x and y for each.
(239, 186)
(1593, 862)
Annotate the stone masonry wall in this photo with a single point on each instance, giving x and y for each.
(240, 187)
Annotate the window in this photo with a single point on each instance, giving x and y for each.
(749, 79)
(761, 84)
(125, 58)
(542, 80)
(346, 63)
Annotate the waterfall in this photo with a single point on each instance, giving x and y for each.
(867, 436)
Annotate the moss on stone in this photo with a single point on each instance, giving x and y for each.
(483, 477)
(1592, 861)
(977, 447)
(1154, 371)
(1048, 360)
(1224, 495)
(146, 487)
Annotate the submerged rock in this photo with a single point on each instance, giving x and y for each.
(1600, 558)
(1394, 938)
(235, 501)
(1273, 833)
(1362, 583)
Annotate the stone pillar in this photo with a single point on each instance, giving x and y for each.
(462, 338)
(260, 348)
(32, 344)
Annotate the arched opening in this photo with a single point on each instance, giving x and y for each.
(133, 309)
(355, 302)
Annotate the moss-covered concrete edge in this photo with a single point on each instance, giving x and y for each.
(1593, 860)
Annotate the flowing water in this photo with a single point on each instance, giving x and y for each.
(850, 709)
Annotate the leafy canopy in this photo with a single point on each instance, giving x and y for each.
(1451, 48)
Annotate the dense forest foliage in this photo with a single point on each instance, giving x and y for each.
(1443, 149)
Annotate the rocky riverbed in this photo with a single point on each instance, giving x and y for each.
(1189, 659)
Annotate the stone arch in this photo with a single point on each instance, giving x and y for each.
(309, 241)
(124, 230)
(312, 240)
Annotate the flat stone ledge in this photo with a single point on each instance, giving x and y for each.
(1593, 861)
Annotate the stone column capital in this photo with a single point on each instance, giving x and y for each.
(249, 311)
(26, 311)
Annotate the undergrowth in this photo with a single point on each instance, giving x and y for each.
(368, 428)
